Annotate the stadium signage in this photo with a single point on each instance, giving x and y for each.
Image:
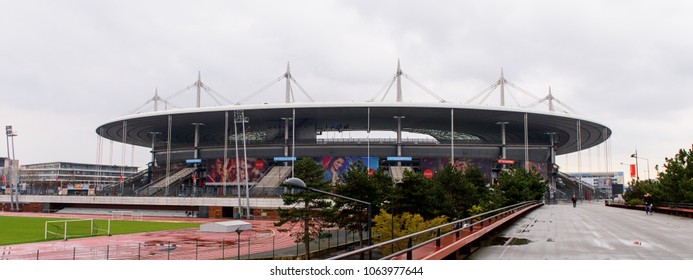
(193, 161)
(506, 161)
(284, 158)
(399, 158)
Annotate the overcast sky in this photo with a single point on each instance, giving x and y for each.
(67, 67)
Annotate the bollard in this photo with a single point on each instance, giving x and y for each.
(222, 249)
(196, 249)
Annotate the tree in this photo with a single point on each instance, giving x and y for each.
(676, 181)
(357, 183)
(388, 227)
(419, 195)
(520, 185)
(463, 188)
(310, 211)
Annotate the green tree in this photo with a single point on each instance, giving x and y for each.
(636, 192)
(463, 189)
(310, 211)
(385, 228)
(676, 181)
(358, 184)
(419, 195)
(520, 185)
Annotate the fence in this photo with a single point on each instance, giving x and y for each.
(198, 250)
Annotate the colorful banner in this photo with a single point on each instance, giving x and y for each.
(336, 166)
(252, 168)
(431, 166)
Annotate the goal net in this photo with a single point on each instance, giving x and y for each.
(65, 229)
(125, 215)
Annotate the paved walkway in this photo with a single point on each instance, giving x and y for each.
(593, 231)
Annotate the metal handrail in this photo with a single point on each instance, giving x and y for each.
(466, 222)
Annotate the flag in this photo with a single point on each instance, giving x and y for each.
(632, 170)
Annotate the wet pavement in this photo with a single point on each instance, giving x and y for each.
(591, 231)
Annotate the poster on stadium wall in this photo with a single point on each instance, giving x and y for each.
(431, 166)
(540, 167)
(252, 168)
(336, 166)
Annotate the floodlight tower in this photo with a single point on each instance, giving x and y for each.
(14, 192)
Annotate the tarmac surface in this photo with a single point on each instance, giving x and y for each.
(591, 231)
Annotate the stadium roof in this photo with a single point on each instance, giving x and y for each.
(476, 124)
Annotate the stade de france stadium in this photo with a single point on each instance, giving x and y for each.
(189, 146)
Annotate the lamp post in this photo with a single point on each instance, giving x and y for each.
(648, 167)
(637, 172)
(296, 182)
(238, 244)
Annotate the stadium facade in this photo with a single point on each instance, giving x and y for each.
(246, 151)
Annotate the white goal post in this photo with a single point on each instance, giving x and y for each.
(74, 228)
(121, 214)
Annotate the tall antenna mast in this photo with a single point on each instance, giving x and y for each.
(199, 87)
(156, 99)
(399, 82)
(550, 100)
(502, 89)
(287, 76)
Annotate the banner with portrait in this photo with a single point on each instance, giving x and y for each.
(337, 165)
(252, 168)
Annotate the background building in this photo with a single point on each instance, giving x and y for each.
(53, 177)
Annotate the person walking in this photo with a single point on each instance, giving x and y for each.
(574, 199)
(648, 203)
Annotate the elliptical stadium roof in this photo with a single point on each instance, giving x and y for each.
(476, 124)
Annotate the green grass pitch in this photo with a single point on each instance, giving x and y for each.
(17, 230)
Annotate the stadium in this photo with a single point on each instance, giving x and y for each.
(230, 160)
(248, 150)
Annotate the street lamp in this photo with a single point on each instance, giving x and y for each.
(648, 167)
(238, 244)
(637, 172)
(296, 182)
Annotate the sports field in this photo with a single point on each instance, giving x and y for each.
(18, 230)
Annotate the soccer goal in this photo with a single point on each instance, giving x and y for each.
(125, 215)
(65, 229)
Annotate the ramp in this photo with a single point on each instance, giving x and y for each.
(397, 172)
(229, 226)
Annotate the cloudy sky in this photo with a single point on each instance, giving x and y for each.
(67, 67)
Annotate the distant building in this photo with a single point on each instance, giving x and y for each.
(8, 171)
(47, 177)
(609, 183)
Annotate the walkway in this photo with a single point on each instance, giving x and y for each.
(592, 231)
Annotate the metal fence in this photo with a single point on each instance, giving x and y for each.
(334, 240)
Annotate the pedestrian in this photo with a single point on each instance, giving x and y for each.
(574, 199)
(648, 204)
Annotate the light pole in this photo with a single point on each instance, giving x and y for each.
(14, 203)
(238, 244)
(648, 167)
(637, 172)
(296, 182)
